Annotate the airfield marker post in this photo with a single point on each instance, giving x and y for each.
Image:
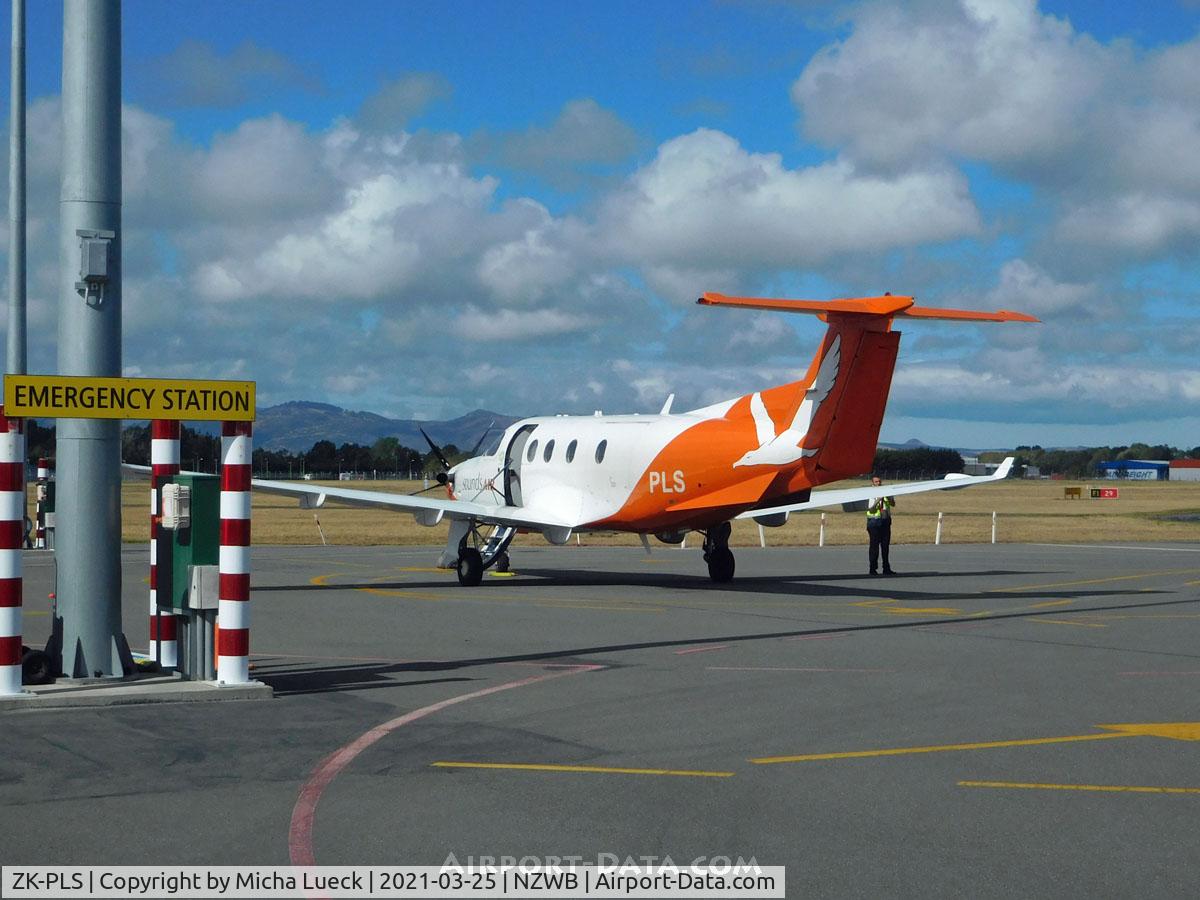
(762, 537)
(233, 615)
(937, 535)
(993, 526)
(39, 514)
(164, 462)
(821, 533)
(12, 527)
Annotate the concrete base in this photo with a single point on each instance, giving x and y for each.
(67, 693)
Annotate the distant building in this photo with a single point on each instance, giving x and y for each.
(1185, 470)
(1135, 469)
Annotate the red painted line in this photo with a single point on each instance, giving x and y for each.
(787, 669)
(814, 637)
(701, 649)
(300, 845)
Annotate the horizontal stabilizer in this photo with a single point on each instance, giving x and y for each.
(887, 305)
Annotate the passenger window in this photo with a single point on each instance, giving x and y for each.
(571, 450)
(532, 451)
(549, 450)
(600, 448)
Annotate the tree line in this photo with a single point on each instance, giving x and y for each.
(1084, 462)
(200, 452)
(916, 464)
(388, 458)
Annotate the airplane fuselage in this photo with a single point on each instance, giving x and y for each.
(645, 473)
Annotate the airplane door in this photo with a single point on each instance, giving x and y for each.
(513, 457)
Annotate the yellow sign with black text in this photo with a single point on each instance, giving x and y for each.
(83, 397)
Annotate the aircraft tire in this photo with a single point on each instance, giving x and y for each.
(502, 562)
(721, 565)
(470, 567)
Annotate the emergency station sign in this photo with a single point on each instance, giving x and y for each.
(85, 397)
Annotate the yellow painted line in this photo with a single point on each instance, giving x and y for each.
(921, 610)
(422, 569)
(1107, 788)
(1068, 622)
(1038, 587)
(34, 612)
(1179, 731)
(410, 595)
(1121, 616)
(503, 574)
(1191, 583)
(605, 770)
(944, 748)
(1051, 603)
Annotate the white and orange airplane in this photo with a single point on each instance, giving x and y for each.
(757, 456)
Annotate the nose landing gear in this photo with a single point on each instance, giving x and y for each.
(717, 554)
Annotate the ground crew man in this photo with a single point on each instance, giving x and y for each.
(879, 528)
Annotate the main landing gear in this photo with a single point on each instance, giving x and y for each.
(476, 553)
(717, 553)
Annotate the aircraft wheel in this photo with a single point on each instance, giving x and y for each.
(502, 563)
(721, 565)
(470, 567)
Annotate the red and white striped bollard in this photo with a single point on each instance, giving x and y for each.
(164, 462)
(43, 480)
(233, 612)
(12, 528)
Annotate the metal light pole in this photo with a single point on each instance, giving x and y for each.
(89, 340)
(16, 195)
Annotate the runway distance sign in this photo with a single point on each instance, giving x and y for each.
(83, 397)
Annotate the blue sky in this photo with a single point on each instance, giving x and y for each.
(417, 209)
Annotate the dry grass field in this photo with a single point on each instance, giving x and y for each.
(1028, 511)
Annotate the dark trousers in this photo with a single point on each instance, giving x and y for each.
(880, 533)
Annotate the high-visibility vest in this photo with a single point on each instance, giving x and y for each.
(880, 508)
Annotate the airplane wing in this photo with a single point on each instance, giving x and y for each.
(855, 499)
(428, 510)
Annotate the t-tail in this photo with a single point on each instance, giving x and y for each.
(832, 416)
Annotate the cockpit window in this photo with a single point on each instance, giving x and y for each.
(600, 448)
(571, 450)
(532, 451)
(549, 450)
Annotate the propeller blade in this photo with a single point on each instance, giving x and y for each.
(437, 451)
(482, 438)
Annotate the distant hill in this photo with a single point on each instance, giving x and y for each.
(299, 424)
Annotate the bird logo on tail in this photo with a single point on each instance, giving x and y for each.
(788, 446)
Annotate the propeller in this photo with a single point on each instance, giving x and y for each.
(444, 476)
(437, 451)
(482, 438)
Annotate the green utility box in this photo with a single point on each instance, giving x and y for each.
(189, 534)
